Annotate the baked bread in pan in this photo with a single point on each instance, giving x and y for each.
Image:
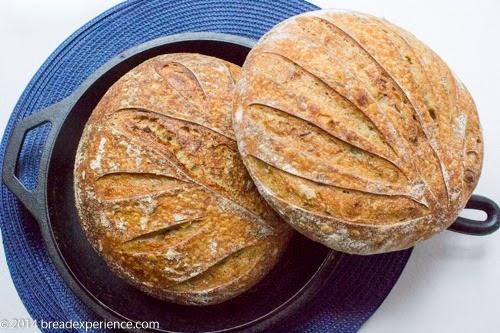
(357, 133)
(161, 190)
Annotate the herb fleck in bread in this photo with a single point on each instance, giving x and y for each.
(161, 190)
(358, 134)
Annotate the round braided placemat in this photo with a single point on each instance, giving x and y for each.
(359, 284)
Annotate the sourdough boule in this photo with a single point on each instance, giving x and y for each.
(161, 191)
(357, 133)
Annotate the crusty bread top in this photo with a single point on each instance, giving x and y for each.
(358, 133)
(161, 190)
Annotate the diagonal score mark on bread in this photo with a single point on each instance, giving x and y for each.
(111, 186)
(184, 82)
(330, 201)
(222, 267)
(271, 135)
(244, 260)
(164, 233)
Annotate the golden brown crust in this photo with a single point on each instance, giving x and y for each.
(161, 190)
(357, 133)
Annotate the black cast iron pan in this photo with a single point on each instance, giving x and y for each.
(52, 204)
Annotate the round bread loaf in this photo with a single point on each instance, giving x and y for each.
(357, 133)
(161, 190)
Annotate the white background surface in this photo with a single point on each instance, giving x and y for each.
(451, 282)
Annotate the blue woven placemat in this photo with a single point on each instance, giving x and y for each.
(359, 285)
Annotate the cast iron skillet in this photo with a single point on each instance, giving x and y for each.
(287, 289)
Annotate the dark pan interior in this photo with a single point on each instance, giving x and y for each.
(300, 262)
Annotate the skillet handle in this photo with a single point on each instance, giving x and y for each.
(33, 200)
(479, 228)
